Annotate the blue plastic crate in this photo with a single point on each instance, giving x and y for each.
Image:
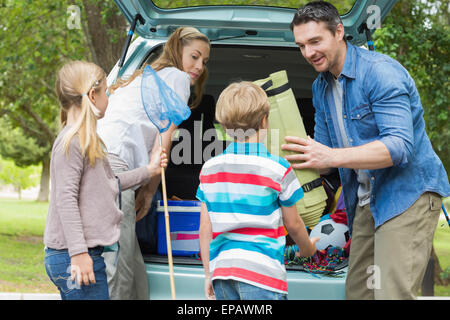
(184, 221)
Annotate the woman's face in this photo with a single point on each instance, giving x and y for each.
(195, 56)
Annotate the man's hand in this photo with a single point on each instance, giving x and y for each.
(310, 154)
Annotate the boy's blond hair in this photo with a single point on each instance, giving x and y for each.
(242, 105)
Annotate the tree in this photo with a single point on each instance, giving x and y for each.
(20, 178)
(105, 28)
(35, 41)
(417, 34)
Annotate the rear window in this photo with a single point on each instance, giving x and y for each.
(343, 6)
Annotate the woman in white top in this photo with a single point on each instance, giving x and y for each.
(130, 138)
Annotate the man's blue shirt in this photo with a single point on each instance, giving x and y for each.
(380, 102)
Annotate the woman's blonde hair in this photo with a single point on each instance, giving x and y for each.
(242, 105)
(171, 56)
(74, 80)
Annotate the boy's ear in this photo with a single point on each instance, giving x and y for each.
(264, 122)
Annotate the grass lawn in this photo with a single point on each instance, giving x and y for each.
(22, 226)
(442, 247)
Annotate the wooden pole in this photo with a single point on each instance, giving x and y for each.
(169, 244)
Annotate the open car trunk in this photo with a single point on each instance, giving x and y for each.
(228, 63)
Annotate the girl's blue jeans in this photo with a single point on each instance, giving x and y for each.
(237, 290)
(57, 266)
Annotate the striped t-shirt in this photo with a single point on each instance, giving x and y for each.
(243, 189)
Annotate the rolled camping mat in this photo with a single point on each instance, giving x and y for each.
(285, 120)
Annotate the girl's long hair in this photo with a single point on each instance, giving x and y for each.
(171, 56)
(74, 81)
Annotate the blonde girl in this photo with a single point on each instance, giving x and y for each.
(83, 217)
(131, 138)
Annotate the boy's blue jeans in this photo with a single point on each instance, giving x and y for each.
(57, 266)
(237, 290)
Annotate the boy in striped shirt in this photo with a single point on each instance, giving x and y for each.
(247, 196)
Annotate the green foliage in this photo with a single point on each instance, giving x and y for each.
(417, 34)
(34, 42)
(20, 178)
(24, 150)
(445, 275)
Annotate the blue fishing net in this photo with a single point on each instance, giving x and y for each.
(162, 104)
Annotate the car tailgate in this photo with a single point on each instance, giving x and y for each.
(189, 281)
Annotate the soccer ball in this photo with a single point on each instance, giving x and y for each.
(330, 233)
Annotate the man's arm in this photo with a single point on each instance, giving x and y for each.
(387, 89)
(312, 154)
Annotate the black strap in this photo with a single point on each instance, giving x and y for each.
(280, 89)
(311, 185)
(267, 85)
(120, 192)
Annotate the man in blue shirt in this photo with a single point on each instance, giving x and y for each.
(369, 124)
